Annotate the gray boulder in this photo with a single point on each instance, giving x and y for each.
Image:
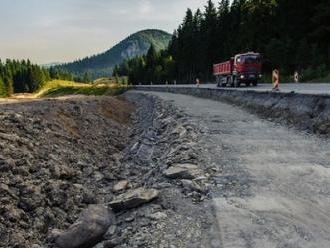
(133, 198)
(183, 171)
(88, 230)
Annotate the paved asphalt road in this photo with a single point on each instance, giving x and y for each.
(273, 182)
(302, 88)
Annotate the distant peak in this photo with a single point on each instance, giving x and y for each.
(136, 44)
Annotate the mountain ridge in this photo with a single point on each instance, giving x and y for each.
(102, 64)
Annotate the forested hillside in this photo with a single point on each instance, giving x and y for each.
(102, 64)
(25, 77)
(290, 34)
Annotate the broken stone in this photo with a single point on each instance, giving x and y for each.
(18, 240)
(183, 171)
(4, 188)
(122, 185)
(63, 172)
(98, 176)
(130, 219)
(6, 164)
(13, 214)
(158, 216)
(21, 171)
(30, 197)
(133, 199)
(111, 232)
(89, 197)
(88, 230)
(192, 186)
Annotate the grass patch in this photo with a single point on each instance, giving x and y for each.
(58, 88)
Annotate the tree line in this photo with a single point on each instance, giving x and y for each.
(290, 34)
(152, 67)
(24, 77)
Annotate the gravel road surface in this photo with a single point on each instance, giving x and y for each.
(302, 88)
(272, 184)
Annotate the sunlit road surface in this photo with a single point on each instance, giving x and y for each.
(301, 88)
(272, 182)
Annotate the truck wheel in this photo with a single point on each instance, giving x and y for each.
(236, 83)
(225, 83)
(230, 81)
(255, 83)
(248, 84)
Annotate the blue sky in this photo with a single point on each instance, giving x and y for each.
(63, 30)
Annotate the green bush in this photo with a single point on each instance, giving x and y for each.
(315, 73)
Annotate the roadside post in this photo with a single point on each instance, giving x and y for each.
(296, 77)
(276, 80)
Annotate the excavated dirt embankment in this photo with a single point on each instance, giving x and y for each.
(56, 158)
(304, 111)
(102, 171)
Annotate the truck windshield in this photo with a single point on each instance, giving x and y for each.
(250, 59)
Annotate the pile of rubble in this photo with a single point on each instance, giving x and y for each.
(83, 172)
(56, 158)
(164, 159)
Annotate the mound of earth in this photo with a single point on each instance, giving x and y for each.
(56, 158)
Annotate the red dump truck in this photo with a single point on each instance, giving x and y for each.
(243, 68)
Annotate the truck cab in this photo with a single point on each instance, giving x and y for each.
(247, 69)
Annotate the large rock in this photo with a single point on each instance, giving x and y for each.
(183, 171)
(88, 230)
(133, 198)
(120, 186)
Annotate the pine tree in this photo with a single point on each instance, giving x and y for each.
(3, 91)
(86, 78)
(322, 27)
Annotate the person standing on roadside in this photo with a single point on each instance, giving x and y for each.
(276, 80)
(197, 82)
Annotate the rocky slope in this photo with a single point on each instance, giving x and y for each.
(87, 171)
(56, 158)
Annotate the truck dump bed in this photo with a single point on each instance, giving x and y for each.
(224, 68)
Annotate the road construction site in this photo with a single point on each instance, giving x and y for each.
(164, 166)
